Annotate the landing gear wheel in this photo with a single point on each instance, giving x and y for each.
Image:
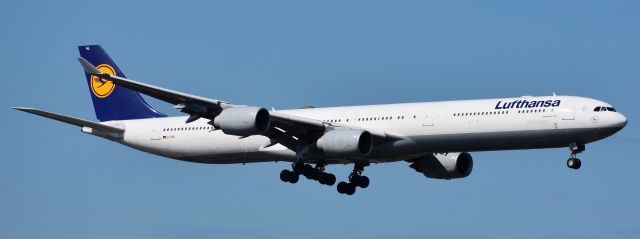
(327, 179)
(346, 188)
(294, 177)
(363, 182)
(323, 179)
(307, 171)
(331, 180)
(288, 176)
(574, 163)
(359, 180)
(342, 187)
(284, 175)
(350, 189)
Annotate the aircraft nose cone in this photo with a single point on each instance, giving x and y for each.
(619, 122)
(623, 121)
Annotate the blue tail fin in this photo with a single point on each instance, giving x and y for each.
(112, 102)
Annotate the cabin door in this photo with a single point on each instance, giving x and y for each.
(156, 133)
(429, 118)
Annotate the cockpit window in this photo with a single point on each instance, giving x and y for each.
(604, 108)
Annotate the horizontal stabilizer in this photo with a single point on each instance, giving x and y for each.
(72, 120)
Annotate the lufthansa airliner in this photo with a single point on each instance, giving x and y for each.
(434, 138)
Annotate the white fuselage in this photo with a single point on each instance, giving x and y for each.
(431, 127)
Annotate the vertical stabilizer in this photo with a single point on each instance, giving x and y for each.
(112, 102)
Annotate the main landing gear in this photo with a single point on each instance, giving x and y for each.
(356, 179)
(574, 162)
(316, 174)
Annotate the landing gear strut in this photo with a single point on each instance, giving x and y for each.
(356, 179)
(574, 162)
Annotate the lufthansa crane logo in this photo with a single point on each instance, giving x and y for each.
(102, 88)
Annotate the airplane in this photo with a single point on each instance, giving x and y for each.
(435, 138)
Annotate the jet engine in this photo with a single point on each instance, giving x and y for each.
(346, 143)
(444, 166)
(243, 121)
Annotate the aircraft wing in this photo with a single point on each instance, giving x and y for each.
(286, 129)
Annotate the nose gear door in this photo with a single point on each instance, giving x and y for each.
(568, 110)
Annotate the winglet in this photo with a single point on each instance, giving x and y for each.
(88, 67)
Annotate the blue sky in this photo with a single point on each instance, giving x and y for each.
(56, 182)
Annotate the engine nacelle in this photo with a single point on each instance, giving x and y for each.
(243, 121)
(346, 143)
(444, 166)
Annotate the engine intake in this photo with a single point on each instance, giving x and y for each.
(346, 143)
(243, 121)
(444, 166)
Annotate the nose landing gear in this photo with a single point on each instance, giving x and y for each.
(574, 162)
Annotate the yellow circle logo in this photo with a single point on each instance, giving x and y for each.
(102, 88)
